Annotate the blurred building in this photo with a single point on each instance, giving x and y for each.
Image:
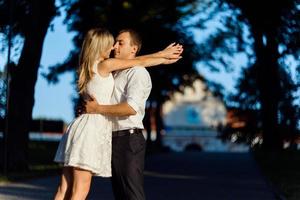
(193, 119)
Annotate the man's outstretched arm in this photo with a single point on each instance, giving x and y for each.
(121, 109)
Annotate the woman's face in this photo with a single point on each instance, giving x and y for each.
(106, 54)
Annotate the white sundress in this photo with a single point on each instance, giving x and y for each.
(87, 142)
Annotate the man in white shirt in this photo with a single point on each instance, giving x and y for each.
(132, 88)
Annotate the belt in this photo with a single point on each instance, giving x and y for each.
(126, 132)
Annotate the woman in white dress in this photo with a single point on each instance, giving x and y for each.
(85, 148)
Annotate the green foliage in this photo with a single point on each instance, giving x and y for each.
(16, 14)
(268, 35)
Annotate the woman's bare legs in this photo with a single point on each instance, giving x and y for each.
(65, 187)
(81, 183)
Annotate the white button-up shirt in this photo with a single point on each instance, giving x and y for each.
(133, 86)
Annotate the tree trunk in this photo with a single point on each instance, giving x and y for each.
(265, 20)
(23, 79)
(269, 87)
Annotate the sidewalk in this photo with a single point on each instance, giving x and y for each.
(174, 176)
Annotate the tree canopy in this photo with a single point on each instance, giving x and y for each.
(268, 33)
(156, 21)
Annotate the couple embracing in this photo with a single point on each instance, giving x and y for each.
(107, 140)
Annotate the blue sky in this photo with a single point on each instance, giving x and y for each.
(55, 101)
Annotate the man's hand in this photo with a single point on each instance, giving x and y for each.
(80, 107)
(120, 109)
(91, 105)
(172, 51)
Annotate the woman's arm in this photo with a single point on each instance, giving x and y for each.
(113, 64)
(171, 54)
(167, 52)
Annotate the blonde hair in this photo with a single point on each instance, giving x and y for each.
(96, 42)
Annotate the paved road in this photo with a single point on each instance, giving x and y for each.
(173, 176)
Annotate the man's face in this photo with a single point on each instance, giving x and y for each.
(123, 48)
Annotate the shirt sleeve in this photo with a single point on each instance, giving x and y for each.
(138, 88)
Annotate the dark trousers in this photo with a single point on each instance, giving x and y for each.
(128, 155)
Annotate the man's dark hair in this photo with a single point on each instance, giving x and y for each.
(135, 38)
